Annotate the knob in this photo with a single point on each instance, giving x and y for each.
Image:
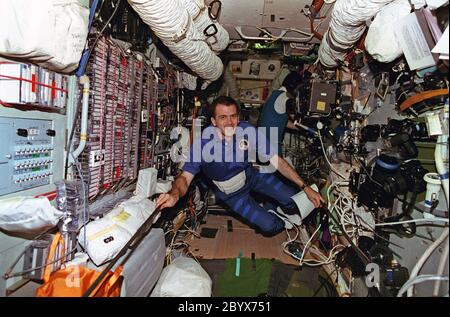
(51, 133)
(22, 132)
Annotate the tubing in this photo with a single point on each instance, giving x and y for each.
(347, 25)
(415, 271)
(441, 158)
(199, 14)
(84, 80)
(441, 267)
(172, 23)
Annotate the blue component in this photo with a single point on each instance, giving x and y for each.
(85, 56)
(339, 131)
(238, 264)
(388, 166)
(443, 176)
(390, 275)
(83, 62)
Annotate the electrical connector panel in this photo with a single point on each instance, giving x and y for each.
(26, 155)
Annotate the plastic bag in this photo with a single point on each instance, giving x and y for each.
(183, 278)
(28, 214)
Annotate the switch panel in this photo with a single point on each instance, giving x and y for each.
(26, 154)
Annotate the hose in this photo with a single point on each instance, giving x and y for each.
(172, 23)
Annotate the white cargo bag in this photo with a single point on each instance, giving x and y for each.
(28, 215)
(135, 211)
(183, 278)
(108, 235)
(104, 237)
(381, 42)
(50, 33)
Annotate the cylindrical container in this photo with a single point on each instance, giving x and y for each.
(433, 188)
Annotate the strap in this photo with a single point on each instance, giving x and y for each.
(57, 240)
(112, 279)
(421, 97)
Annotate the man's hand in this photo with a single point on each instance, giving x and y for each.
(166, 200)
(314, 197)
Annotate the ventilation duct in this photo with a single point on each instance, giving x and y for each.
(172, 23)
(347, 24)
(199, 14)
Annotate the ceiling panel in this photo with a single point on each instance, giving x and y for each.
(274, 15)
(241, 12)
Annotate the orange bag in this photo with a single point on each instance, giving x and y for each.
(74, 280)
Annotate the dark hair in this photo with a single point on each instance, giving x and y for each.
(292, 81)
(223, 100)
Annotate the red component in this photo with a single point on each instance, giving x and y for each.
(53, 89)
(33, 85)
(265, 92)
(49, 195)
(117, 171)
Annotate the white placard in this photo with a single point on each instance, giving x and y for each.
(413, 43)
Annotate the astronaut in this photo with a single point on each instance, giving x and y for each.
(225, 154)
(279, 109)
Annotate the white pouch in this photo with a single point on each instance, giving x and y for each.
(163, 186)
(28, 214)
(104, 237)
(183, 278)
(50, 33)
(107, 236)
(381, 42)
(135, 211)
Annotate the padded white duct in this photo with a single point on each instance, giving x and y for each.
(347, 24)
(172, 23)
(199, 14)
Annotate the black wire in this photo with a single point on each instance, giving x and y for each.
(69, 142)
(103, 29)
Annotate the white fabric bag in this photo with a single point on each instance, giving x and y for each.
(50, 33)
(107, 236)
(381, 42)
(104, 237)
(28, 214)
(183, 278)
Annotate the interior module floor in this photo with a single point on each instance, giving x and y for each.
(224, 237)
(263, 269)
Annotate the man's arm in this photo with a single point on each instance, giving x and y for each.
(287, 171)
(179, 189)
(291, 125)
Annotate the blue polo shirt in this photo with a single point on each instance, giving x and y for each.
(220, 159)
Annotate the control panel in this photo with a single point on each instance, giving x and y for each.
(26, 153)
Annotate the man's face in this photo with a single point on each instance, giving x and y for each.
(226, 119)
